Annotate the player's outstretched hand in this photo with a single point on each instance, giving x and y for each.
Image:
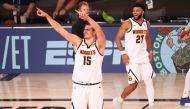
(41, 13)
(82, 15)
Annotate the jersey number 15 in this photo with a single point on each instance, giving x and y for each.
(87, 60)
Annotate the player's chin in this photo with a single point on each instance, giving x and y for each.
(86, 37)
(136, 17)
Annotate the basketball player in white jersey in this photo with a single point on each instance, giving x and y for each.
(87, 75)
(185, 101)
(135, 55)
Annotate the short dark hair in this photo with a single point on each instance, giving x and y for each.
(139, 4)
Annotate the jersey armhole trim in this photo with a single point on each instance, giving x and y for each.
(98, 49)
(78, 47)
(130, 27)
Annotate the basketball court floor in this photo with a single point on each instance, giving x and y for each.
(36, 91)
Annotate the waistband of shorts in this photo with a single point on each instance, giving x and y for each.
(86, 84)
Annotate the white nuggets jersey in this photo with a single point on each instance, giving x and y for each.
(88, 64)
(135, 42)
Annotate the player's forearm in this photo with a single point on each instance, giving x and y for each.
(64, 33)
(99, 32)
(149, 45)
(95, 25)
(55, 24)
(119, 44)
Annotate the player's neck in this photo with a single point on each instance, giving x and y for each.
(89, 41)
(140, 20)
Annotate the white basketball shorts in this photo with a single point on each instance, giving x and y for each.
(87, 95)
(137, 72)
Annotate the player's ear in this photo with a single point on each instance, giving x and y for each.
(143, 12)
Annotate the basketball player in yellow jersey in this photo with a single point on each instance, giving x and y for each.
(135, 55)
(87, 75)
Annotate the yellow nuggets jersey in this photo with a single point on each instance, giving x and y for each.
(135, 42)
(88, 64)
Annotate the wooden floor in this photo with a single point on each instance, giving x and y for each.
(39, 90)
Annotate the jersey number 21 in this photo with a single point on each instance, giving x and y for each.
(139, 38)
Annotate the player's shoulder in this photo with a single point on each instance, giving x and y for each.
(126, 23)
(147, 21)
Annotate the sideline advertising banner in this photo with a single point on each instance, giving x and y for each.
(43, 50)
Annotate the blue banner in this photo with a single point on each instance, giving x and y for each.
(43, 50)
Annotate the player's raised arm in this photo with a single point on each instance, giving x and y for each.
(101, 39)
(68, 36)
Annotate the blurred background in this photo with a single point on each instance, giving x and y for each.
(158, 11)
